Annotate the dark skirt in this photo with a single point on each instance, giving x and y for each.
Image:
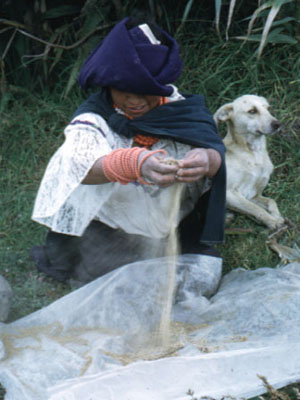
(102, 249)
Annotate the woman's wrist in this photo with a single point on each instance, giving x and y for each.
(215, 161)
(95, 175)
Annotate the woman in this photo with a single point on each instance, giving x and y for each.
(107, 191)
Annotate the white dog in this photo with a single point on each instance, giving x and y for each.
(248, 164)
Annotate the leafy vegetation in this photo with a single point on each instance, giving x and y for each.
(43, 41)
(228, 49)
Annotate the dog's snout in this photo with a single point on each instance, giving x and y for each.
(275, 125)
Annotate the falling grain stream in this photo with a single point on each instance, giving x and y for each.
(164, 333)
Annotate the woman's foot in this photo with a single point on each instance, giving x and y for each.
(42, 263)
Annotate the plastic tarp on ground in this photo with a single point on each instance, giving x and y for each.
(102, 341)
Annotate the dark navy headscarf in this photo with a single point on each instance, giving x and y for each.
(130, 60)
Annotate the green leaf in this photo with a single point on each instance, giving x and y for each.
(230, 14)
(187, 10)
(61, 11)
(284, 21)
(279, 3)
(282, 38)
(58, 54)
(272, 15)
(218, 5)
(185, 14)
(274, 37)
(255, 15)
(72, 77)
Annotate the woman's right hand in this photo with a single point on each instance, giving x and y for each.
(155, 170)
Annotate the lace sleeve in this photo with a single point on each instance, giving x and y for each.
(86, 141)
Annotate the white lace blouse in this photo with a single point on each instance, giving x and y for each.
(67, 206)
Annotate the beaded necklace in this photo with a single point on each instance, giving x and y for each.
(145, 140)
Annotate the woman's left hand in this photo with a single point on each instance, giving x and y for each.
(198, 163)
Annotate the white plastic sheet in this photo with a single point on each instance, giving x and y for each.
(101, 342)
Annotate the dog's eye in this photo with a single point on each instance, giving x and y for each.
(252, 111)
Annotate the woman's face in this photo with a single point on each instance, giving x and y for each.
(132, 104)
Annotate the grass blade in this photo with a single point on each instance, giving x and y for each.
(230, 14)
(255, 15)
(73, 77)
(218, 5)
(271, 16)
(187, 11)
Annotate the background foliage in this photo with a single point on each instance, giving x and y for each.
(42, 41)
(229, 48)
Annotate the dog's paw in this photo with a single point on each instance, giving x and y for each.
(275, 223)
(229, 217)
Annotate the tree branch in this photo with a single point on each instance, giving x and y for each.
(13, 23)
(8, 44)
(20, 28)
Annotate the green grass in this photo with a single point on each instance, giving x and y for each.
(32, 126)
(32, 129)
(223, 72)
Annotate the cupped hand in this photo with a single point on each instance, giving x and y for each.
(198, 163)
(155, 170)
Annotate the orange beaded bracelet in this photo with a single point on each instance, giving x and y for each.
(123, 165)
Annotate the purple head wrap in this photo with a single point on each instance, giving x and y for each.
(133, 60)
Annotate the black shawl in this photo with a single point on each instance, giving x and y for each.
(187, 121)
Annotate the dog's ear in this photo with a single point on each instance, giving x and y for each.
(224, 113)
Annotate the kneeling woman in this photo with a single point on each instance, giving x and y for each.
(107, 191)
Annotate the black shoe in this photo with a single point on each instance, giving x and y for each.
(42, 263)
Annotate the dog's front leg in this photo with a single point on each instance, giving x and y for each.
(270, 205)
(238, 203)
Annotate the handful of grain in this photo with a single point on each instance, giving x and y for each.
(170, 161)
